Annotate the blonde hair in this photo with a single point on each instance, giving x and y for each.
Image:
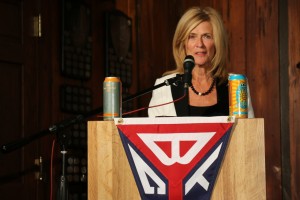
(190, 20)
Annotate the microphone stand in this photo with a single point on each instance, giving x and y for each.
(62, 138)
(58, 127)
(62, 193)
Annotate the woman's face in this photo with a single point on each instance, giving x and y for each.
(200, 44)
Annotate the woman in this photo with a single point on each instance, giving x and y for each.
(201, 34)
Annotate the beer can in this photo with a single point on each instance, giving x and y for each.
(112, 98)
(238, 96)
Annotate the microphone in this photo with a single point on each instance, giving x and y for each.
(188, 65)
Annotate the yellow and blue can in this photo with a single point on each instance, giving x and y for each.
(112, 98)
(238, 96)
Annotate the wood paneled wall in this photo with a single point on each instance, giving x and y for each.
(262, 58)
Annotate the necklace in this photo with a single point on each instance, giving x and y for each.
(204, 93)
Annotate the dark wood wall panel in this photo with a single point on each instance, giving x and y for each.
(233, 13)
(11, 123)
(263, 73)
(11, 32)
(294, 94)
(18, 98)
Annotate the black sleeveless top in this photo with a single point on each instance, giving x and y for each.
(184, 109)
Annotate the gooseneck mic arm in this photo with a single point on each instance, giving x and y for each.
(58, 127)
(170, 81)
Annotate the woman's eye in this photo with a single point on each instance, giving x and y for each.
(192, 36)
(206, 36)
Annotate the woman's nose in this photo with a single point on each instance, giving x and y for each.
(199, 42)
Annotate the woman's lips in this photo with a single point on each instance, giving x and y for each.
(200, 53)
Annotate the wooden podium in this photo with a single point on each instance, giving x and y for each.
(242, 173)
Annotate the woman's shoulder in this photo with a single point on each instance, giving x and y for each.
(169, 76)
(163, 78)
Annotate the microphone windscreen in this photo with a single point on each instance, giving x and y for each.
(189, 60)
(188, 65)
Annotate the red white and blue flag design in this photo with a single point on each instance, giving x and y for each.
(175, 158)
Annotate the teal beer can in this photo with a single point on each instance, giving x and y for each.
(238, 96)
(112, 98)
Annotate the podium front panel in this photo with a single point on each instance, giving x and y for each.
(242, 174)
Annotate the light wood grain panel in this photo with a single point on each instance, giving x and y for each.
(109, 176)
(242, 175)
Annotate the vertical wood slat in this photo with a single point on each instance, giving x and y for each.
(284, 100)
(263, 73)
(234, 20)
(294, 94)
